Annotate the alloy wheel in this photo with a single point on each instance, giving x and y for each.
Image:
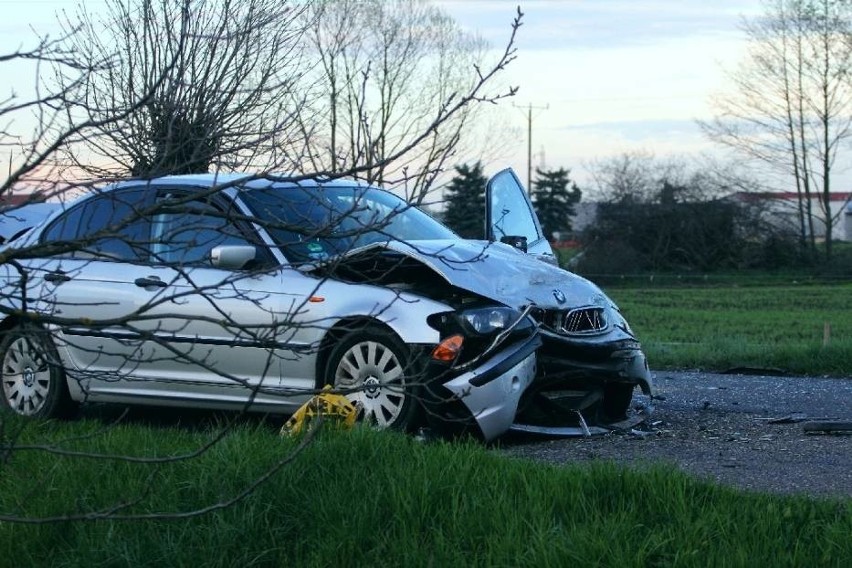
(373, 372)
(26, 377)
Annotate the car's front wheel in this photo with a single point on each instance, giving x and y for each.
(32, 379)
(373, 368)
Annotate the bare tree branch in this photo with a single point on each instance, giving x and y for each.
(182, 86)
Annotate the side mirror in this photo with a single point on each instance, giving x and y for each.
(516, 241)
(232, 257)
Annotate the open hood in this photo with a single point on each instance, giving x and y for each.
(496, 271)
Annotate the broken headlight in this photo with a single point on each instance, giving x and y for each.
(470, 333)
(485, 321)
(480, 322)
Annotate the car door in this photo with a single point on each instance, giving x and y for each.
(510, 217)
(141, 311)
(222, 330)
(91, 284)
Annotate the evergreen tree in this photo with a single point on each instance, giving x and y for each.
(465, 201)
(554, 196)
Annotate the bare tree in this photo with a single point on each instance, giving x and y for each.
(83, 113)
(37, 126)
(385, 70)
(627, 177)
(218, 80)
(792, 108)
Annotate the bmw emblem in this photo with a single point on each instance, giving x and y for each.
(560, 297)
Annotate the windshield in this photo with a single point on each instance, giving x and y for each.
(315, 223)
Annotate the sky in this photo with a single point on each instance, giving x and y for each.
(611, 76)
(604, 76)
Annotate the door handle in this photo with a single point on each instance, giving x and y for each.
(150, 282)
(57, 277)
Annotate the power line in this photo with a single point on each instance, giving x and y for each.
(530, 107)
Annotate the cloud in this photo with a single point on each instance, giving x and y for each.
(590, 24)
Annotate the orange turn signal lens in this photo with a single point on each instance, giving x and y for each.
(448, 349)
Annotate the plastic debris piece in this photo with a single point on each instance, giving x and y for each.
(329, 405)
(789, 419)
(829, 427)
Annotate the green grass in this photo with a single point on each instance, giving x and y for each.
(719, 327)
(364, 497)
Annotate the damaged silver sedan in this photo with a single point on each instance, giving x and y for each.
(237, 292)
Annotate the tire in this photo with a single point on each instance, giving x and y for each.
(616, 402)
(374, 370)
(32, 381)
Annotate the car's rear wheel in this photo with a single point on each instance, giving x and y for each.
(374, 370)
(32, 379)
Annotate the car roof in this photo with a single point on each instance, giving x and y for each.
(245, 180)
(13, 221)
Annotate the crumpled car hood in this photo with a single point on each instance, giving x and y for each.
(499, 272)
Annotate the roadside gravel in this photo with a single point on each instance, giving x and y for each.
(726, 428)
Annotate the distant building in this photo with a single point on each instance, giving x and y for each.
(585, 215)
(846, 220)
(782, 210)
(8, 200)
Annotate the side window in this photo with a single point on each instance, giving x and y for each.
(185, 234)
(66, 227)
(509, 209)
(107, 227)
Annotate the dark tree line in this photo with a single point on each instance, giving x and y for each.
(554, 197)
(657, 216)
(666, 236)
(465, 201)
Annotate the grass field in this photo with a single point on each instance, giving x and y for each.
(368, 498)
(804, 329)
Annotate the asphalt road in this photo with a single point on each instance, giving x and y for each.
(742, 430)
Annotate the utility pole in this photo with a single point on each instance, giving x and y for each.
(530, 107)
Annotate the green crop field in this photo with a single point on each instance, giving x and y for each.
(803, 329)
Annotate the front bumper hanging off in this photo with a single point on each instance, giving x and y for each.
(488, 393)
(586, 393)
